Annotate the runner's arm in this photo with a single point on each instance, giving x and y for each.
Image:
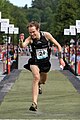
(50, 37)
(25, 43)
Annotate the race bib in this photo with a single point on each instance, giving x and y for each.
(42, 53)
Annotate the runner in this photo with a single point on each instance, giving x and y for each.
(39, 63)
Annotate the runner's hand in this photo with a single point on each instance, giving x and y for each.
(61, 61)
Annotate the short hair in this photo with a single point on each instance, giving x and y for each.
(34, 23)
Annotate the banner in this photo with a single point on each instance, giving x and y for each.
(4, 25)
(66, 31)
(11, 28)
(72, 30)
(16, 30)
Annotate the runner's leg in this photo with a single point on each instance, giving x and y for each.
(36, 79)
(43, 78)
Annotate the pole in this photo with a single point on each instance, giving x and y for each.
(76, 57)
(17, 52)
(13, 41)
(7, 48)
(69, 51)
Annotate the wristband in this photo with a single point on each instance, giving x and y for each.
(59, 55)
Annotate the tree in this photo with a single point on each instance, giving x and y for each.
(34, 14)
(65, 18)
(41, 4)
(54, 15)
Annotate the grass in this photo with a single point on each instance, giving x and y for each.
(59, 100)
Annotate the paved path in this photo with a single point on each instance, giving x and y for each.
(1, 71)
(1, 67)
(54, 62)
(24, 59)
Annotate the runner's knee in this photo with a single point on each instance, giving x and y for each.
(36, 78)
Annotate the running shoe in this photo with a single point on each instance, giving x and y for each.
(40, 90)
(33, 107)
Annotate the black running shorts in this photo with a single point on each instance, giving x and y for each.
(44, 66)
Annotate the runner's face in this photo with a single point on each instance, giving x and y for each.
(33, 32)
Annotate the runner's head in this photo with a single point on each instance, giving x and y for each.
(33, 28)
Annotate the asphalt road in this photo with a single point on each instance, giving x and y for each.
(54, 62)
(24, 59)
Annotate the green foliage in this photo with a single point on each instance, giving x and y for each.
(34, 14)
(54, 15)
(41, 4)
(66, 15)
